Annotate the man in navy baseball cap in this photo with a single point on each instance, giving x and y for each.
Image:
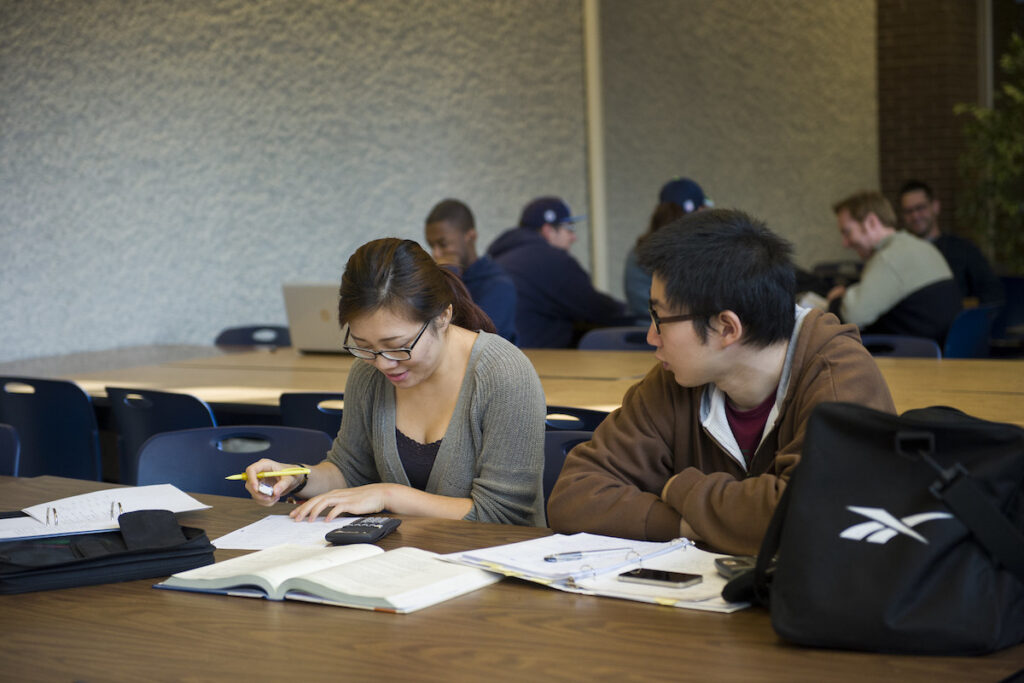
(555, 299)
(543, 210)
(684, 193)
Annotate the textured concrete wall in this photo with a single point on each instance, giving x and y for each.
(165, 166)
(770, 105)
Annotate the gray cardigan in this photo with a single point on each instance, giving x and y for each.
(492, 452)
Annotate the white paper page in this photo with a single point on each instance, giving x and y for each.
(97, 506)
(22, 527)
(97, 511)
(274, 530)
(527, 557)
(393, 574)
(281, 562)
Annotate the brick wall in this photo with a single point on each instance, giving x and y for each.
(927, 62)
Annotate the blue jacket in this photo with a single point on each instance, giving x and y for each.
(493, 290)
(554, 292)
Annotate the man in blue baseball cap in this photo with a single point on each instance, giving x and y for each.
(555, 298)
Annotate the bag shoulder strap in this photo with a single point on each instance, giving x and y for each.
(994, 531)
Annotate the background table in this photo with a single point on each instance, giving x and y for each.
(991, 389)
(510, 631)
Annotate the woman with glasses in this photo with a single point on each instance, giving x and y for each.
(442, 417)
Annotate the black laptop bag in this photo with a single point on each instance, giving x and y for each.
(150, 543)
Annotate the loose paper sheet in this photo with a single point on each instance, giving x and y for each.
(274, 530)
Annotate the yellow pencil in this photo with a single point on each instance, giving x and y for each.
(278, 473)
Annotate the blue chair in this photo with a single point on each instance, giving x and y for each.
(271, 336)
(311, 410)
(902, 346)
(557, 445)
(140, 413)
(10, 449)
(969, 335)
(197, 460)
(56, 425)
(565, 417)
(615, 339)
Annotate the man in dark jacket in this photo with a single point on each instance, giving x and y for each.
(555, 297)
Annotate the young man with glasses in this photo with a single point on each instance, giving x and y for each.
(703, 446)
(555, 299)
(971, 270)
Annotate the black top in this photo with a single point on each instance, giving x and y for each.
(974, 276)
(417, 459)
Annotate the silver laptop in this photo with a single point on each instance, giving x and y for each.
(312, 311)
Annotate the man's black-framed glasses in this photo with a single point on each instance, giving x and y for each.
(404, 353)
(659, 321)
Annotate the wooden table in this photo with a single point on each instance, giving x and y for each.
(585, 379)
(509, 631)
(549, 363)
(992, 389)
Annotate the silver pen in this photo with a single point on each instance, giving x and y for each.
(578, 554)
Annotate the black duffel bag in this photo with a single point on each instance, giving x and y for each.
(150, 543)
(901, 534)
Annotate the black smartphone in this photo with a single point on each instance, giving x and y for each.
(362, 530)
(661, 577)
(737, 564)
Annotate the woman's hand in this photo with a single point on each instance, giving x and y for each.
(281, 485)
(361, 500)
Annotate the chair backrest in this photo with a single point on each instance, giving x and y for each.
(557, 445)
(312, 410)
(141, 413)
(615, 339)
(969, 334)
(197, 460)
(565, 417)
(901, 345)
(56, 427)
(255, 335)
(10, 449)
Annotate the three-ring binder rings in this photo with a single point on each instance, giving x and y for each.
(590, 564)
(97, 511)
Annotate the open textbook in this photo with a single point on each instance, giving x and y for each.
(601, 559)
(362, 576)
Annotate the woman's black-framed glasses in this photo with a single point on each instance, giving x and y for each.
(658, 320)
(404, 353)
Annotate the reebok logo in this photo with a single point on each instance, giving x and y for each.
(884, 525)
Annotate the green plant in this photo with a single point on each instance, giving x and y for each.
(992, 166)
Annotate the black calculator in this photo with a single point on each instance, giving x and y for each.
(362, 530)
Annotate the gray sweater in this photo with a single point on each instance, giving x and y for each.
(900, 265)
(492, 452)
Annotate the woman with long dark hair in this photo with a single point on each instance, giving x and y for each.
(442, 417)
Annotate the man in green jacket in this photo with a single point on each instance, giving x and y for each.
(703, 446)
